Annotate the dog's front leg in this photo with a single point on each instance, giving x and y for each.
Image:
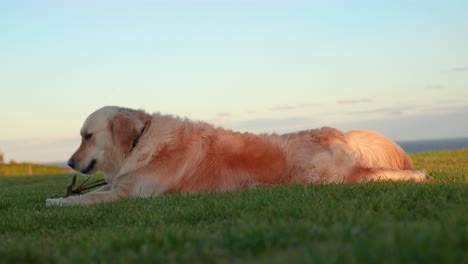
(106, 187)
(104, 194)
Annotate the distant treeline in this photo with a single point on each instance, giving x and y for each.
(30, 169)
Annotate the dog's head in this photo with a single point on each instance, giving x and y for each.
(107, 137)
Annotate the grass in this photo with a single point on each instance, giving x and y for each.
(371, 223)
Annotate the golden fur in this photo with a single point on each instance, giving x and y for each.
(145, 155)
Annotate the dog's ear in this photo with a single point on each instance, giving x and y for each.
(124, 131)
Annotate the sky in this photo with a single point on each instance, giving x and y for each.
(397, 67)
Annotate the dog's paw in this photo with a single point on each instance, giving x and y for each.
(55, 201)
(424, 175)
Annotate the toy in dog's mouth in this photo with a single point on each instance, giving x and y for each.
(90, 167)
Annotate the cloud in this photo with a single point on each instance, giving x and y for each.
(282, 108)
(415, 108)
(450, 101)
(354, 101)
(459, 69)
(292, 107)
(308, 105)
(279, 125)
(385, 110)
(441, 109)
(435, 87)
(223, 114)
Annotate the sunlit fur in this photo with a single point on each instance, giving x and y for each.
(179, 155)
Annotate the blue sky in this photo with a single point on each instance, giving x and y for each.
(398, 67)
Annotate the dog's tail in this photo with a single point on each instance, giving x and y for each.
(374, 150)
(383, 174)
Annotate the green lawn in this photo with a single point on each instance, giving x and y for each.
(372, 223)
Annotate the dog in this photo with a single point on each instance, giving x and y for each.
(146, 155)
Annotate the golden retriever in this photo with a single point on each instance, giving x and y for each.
(144, 155)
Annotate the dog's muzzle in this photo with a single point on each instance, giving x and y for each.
(73, 164)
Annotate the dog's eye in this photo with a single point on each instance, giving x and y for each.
(88, 136)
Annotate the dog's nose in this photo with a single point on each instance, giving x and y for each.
(71, 163)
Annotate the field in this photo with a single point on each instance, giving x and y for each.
(30, 169)
(371, 223)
